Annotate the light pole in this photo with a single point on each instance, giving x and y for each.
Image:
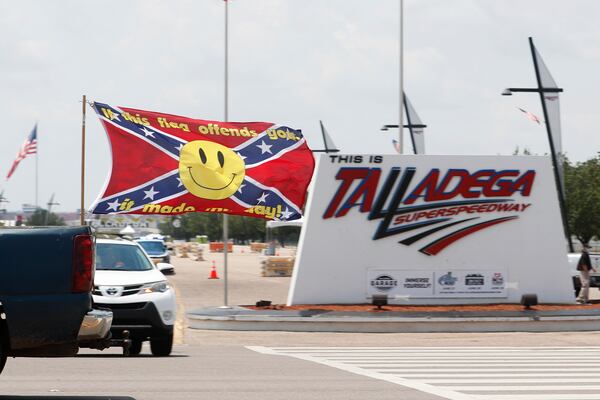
(555, 162)
(401, 77)
(414, 125)
(50, 203)
(409, 126)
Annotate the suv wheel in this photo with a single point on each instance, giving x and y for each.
(3, 347)
(161, 347)
(136, 347)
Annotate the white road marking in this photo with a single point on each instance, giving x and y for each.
(180, 320)
(520, 388)
(539, 397)
(447, 394)
(539, 378)
(409, 369)
(461, 373)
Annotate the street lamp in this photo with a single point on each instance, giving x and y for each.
(387, 127)
(542, 74)
(50, 203)
(510, 91)
(411, 128)
(414, 125)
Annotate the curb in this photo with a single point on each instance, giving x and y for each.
(240, 319)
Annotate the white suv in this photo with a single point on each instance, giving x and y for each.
(157, 251)
(140, 297)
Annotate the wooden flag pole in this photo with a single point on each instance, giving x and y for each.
(82, 209)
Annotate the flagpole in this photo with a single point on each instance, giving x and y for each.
(401, 70)
(555, 160)
(410, 128)
(37, 205)
(81, 210)
(226, 107)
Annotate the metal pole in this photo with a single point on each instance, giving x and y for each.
(401, 70)
(559, 186)
(81, 211)
(225, 216)
(37, 204)
(409, 125)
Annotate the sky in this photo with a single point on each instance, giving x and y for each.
(291, 62)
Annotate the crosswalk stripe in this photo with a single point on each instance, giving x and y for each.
(424, 376)
(447, 394)
(540, 378)
(417, 355)
(491, 358)
(409, 369)
(548, 388)
(482, 364)
(392, 363)
(435, 348)
(570, 396)
(459, 373)
(516, 358)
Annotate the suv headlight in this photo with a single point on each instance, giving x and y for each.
(160, 287)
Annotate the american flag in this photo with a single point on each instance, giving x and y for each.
(28, 147)
(531, 116)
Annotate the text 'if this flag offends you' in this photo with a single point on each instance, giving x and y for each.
(168, 164)
(28, 147)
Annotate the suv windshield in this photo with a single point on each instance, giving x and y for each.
(121, 257)
(153, 248)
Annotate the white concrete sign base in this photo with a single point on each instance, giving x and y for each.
(432, 230)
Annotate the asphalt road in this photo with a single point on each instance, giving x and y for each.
(266, 365)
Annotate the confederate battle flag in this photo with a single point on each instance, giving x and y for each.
(168, 164)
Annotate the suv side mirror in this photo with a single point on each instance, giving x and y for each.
(166, 268)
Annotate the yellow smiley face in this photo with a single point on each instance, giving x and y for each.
(210, 170)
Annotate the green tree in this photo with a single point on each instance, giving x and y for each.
(38, 218)
(582, 187)
(524, 152)
(247, 228)
(287, 234)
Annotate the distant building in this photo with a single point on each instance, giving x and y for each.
(142, 224)
(28, 208)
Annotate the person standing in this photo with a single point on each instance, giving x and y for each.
(584, 266)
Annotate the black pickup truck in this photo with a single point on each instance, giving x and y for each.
(46, 277)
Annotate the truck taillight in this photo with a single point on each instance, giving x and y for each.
(83, 263)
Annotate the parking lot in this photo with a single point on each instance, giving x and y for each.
(223, 365)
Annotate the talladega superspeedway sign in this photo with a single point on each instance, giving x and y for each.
(432, 230)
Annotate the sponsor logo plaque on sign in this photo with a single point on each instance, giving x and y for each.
(408, 284)
(472, 283)
(400, 283)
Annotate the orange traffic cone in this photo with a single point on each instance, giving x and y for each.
(213, 272)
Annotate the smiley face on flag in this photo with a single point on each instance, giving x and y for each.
(168, 164)
(210, 170)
